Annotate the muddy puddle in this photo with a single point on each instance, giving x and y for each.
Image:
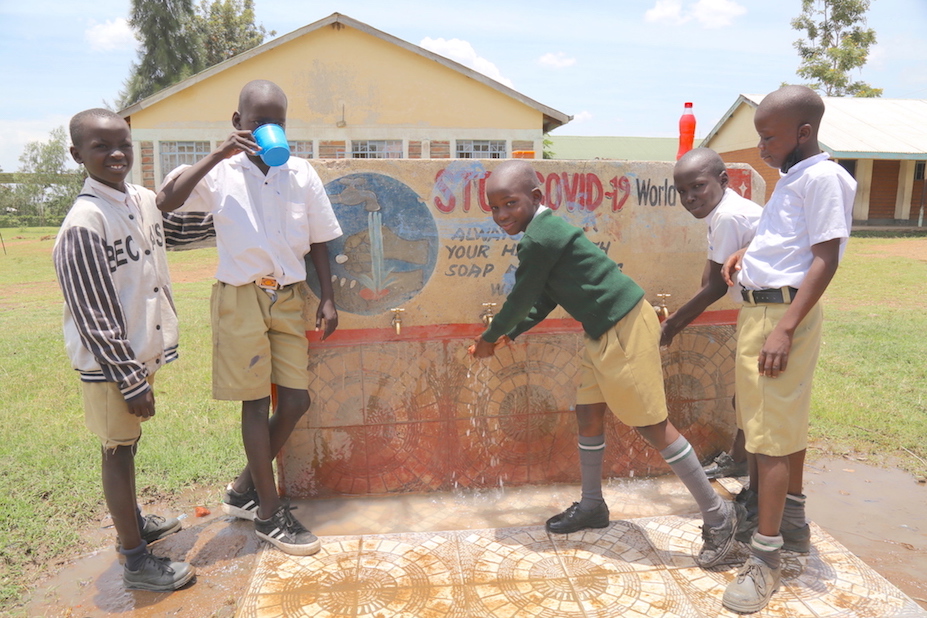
(878, 514)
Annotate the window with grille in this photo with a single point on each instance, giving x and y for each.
(180, 153)
(480, 149)
(376, 149)
(301, 149)
(919, 170)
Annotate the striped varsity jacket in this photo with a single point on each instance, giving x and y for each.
(120, 324)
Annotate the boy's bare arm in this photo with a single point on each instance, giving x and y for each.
(732, 265)
(176, 191)
(713, 288)
(327, 313)
(774, 356)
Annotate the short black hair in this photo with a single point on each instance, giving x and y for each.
(520, 172)
(801, 103)
(262, 88)
(79, 122)
(712, 161)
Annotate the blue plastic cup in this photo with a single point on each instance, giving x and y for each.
(275, 150)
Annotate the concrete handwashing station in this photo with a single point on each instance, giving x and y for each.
(397, 403)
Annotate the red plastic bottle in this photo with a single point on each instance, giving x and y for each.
(686, 131)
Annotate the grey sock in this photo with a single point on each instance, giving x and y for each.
(681, 457)
(767, 549)
(135, 556)
(794, 514)
(591, 453)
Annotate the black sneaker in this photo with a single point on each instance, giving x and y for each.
(157, 527)
(242, 506)
(158, 574)
(285, 532)
(724, 465)
(719, 540)
(573, 519)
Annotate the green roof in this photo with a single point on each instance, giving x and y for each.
(626, 148)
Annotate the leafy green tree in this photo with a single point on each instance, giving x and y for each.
(170, 47)
(546, 148)
(45, 186)
(179, 39)
(227, 29)
(837, 42)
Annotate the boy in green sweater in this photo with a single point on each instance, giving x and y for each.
(621, 366)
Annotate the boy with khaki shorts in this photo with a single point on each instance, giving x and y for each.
(782, 274)
(267, 220)
(621, 366)
(120, 326)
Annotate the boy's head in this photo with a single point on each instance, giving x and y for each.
(514, 195)
(260, 102)
(102, 142)
(700, 178)
(787, 121)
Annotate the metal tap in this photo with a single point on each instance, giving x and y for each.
(396, 322)
(487, 314)
(661, 309)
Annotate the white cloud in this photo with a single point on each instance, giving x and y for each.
(717, 13)
(556, 61)
(462, 52)
(110, 36)
(666, 11)
(708, 13)
(583, 116)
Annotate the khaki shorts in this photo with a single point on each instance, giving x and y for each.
(258, 339)
(107, 415)
(623, 369)
(773, 412)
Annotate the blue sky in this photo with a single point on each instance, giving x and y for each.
(618, 67)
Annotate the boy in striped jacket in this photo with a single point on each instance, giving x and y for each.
(120, 325)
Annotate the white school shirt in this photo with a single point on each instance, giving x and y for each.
(812, 203)
(264, 224)
(731, 227)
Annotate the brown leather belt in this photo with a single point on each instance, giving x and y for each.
(782, 295)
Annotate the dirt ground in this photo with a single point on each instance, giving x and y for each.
(879, 514)
(914, 248)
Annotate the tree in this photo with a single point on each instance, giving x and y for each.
(44, 186)
(837, 42)
(227, 29)
(170, 47)
(179, 39)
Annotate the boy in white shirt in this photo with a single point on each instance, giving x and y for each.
(782, 274)
(701, 180)
(267, 220)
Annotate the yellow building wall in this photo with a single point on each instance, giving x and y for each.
(738, 133)
(377, 83)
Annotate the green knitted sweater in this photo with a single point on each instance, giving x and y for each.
(558, 265)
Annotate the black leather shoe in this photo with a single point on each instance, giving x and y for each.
(573, 519)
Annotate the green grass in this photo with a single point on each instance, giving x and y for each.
(49, 462)
(868, 398)
(870, 391)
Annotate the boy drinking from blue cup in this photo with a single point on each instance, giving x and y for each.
(268, 218)
(274, 149)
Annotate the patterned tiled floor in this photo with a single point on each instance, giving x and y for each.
(641, 567)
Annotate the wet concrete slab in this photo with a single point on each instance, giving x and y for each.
(637, 567)
(484, 553)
